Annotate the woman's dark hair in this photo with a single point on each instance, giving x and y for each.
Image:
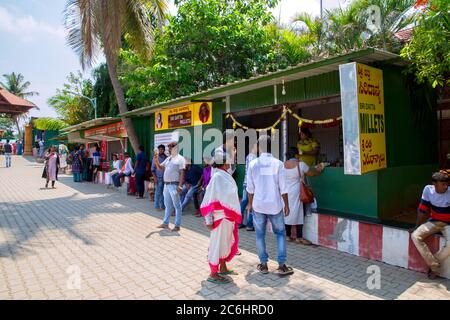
(97, 149)
(306, 132)
(439, 177)
(292, 153)
(77, 148)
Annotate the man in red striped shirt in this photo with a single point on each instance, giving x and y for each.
(435, 204)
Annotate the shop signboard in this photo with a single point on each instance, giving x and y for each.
(165, 139)
(194, 114)
(112, 130)
(104, 149)
(363, 120)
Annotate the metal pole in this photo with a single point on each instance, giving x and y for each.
(94, 102)
(321, 9)
(284, 139)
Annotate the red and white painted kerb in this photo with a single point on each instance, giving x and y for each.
(373, 241)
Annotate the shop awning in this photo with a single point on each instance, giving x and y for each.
(304, 70)
(91, 124)
(104, 138)
(75, 137)
(60, 137)
(110, 132)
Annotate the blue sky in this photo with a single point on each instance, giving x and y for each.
(33, 42)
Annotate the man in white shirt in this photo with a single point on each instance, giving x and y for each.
(127, 170)
(173, 166)
(267, 195)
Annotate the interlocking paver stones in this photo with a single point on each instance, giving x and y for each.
(51, 241)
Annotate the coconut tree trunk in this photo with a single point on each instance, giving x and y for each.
(132, 136)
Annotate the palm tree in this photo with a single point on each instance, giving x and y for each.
(314, 32)
(16, 84)
(345, 29)
(93, 25)
(392, 18)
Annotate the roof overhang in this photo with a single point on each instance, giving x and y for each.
(14, 105)
(60, 137)
(75, 137)
(91, 124)
(104, 138)
(305, 70)
(14, 109)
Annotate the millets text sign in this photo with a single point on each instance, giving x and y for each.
(362, 98)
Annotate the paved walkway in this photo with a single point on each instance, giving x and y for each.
(84, 241)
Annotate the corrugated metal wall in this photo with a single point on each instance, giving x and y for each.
(323, 85)
(408, 141)
(144, 127)
(144, 131)
(253, 99)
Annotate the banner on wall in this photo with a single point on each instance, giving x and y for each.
(195, 114)
(111, 130)
(165, 139)
(363, 120)
(104, 149)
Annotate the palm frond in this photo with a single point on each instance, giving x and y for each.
(111, 17)
(49, 124)
(80, 20)
(139, 28)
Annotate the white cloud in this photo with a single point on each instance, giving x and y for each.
(27, 26)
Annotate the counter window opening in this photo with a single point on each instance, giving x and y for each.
(328, 138)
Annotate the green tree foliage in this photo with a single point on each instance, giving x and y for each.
(314, 31)
(213, 42)
(96, 26)
(104, 92)
(392, 18)
(209, 43)
(429, 48)
(49, 124)
(7, 125)
(363, 23)
(73, 109)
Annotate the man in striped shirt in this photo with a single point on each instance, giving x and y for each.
(435, 203)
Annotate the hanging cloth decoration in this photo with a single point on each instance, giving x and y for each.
(324, 123)
(271, 128)
(302, 122)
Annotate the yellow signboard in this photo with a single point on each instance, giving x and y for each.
(363, 120)
(371, 118)
(195, 114)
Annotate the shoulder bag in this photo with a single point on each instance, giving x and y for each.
(306, 193)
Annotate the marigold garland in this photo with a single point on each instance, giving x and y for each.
(301, 121)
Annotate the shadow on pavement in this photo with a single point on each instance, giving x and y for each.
(323, 263)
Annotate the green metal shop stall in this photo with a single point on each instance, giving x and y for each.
(313, 91)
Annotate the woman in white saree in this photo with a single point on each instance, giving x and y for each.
(222, 213)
